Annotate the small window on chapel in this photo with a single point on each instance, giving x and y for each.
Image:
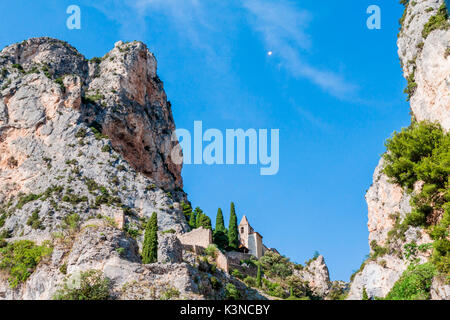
(242, 230)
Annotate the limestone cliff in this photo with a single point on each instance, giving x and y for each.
(317, 276)
(85, 159)
(425, 59)
(424, 55)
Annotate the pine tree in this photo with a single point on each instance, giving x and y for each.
(258, 277)
(220, 233)
(150, 248)
(204, 221)
(233, 235)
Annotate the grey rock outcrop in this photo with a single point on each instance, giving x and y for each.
(440, 289)
(96, 135)
(427, 61)
(170, 249)
(316, 274)
(85, 153)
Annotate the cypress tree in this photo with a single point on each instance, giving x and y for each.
(187, 210)
(198, 212)
(150, 248)
(233, 235)
(220, 233)
(192, 220)
(220, 224)
(258, 277)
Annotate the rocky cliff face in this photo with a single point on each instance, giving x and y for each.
(317, 276)
(85, 159)
(81, 141)
(96, 134)
(425, 60)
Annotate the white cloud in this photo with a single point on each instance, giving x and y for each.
(282, 26)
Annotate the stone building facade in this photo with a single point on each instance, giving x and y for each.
(250, 239)
(250, 245)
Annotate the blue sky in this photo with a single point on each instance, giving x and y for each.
(332, 87)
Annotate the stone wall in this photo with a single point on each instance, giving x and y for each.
(255, 244)
(222, 262)
(198, 237)
(234, 262)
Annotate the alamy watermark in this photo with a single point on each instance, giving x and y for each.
(374, 20)
(212, 147)
(74, 20)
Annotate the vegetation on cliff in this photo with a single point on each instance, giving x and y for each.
(418, 159)
(93, 285)
(20, 258)
(414, 284)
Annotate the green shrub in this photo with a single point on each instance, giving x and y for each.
(97, 134)
(211, 251)
(34, 221)
(411, 85)
(421, 152)
(337, 292)
(414, 283)
(298, 287)
(92, 286)
(406, 149)
(92, 99)
(274, 289)
(365, 296)
(2, 219)
(275, 265)
(438, 21)
(23, 200)
(378, 251)
(18, 67)
(236, 273)
(81, 133)
(215, 283)
(170, 294)
(20, 259)
(231, 293)
(441, 256)
(250, 282)
(121, 251)
(63, 268)
(60, 82)
(71, 221)
(106, 148)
